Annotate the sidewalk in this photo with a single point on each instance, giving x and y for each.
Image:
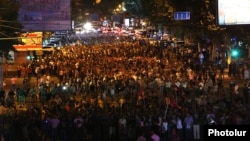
(19, 83)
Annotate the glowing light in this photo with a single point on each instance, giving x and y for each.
(87, 26)
(235, 53)
(97, 1)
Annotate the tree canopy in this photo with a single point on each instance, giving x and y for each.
(9, 27)
(81, 7)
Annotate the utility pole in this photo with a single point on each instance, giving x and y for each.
(1, 68)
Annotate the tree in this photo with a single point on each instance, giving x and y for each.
(102, 7)
(78, 9)
(202, 25)
(134, 7)
(9, 27)
(148, 8)
(107, 5)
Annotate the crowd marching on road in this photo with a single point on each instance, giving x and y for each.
(119, 89)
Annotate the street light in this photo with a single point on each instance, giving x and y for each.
(235, 53)
(87, 27)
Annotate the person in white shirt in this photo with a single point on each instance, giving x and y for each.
(165, 130)
(201, 57)
(168, 85)
(188, 122)
(122, 121)
(246, 73)
(179, 127)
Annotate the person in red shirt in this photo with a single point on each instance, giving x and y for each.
(13, 83)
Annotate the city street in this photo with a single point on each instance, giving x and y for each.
(80, 70)
(28, 101)
(21, 58)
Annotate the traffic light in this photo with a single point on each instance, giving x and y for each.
(235, 53)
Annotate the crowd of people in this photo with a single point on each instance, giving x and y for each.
(121, 90)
